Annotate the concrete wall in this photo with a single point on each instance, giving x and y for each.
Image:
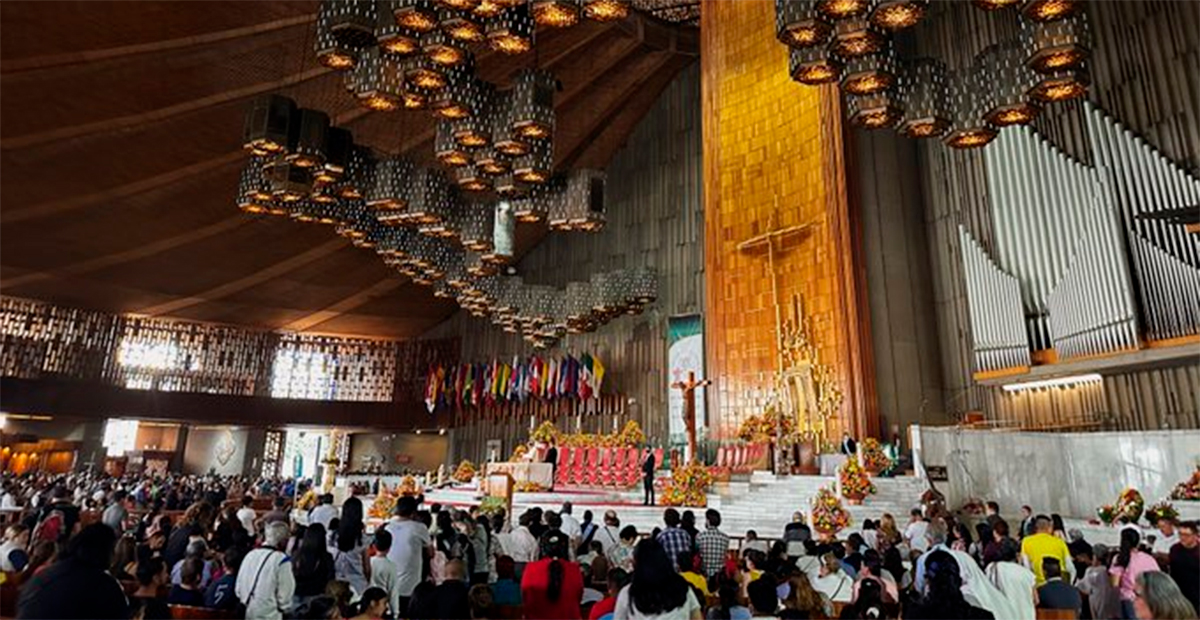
(1068, 473)
(222, 450)
(422, 452)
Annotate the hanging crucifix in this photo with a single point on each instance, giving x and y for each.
(688, 388)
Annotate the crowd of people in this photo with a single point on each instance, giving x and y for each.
(164, 542)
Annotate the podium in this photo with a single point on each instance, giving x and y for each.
(500, 484)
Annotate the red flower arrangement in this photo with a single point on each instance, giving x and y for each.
(1130, 506)
(465, 472)
(855, 483)
(688, 487)
(874, 460)
(828, 515)
(1161, 510)
(1188, 490)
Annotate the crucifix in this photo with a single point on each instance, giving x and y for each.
(688, 388)
(754, 244)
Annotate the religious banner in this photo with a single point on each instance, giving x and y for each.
(685, 353)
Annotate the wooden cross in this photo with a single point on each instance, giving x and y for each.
(688, 388)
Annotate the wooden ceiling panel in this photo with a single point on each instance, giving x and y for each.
(119, 146)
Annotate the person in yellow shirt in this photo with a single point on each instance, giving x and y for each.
(687, 570)
(1044, 544)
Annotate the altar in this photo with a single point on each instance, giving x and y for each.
(830, 463)
(541, 474)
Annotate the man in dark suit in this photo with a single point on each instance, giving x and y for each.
(648, 478)
(552, 459)
(1056, 593)
(849, 446)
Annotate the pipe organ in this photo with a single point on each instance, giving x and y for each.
(1072, 267)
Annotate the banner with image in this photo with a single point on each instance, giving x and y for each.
(685, 352)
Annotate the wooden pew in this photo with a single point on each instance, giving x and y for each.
(188, 612)
(1056, 614)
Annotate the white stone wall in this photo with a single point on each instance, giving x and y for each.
(1066, 473)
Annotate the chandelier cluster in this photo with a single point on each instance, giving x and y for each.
(426, 226)
(1008, 83)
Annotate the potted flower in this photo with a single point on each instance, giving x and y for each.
(1188, 490)
(688, 487)
(1161, 510)
(828, 515)
(855, 484)
(873, 458)
(1130, 506)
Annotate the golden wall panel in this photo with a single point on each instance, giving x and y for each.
(773, 159)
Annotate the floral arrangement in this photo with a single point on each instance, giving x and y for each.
(1107, 514)
(528, 486)
(974, 506)
(308, 500)
(408, 486)
(383, 506)
(518, 453)
(873, 458)
(828, 515)
(465, 472)
(688, 487)
(1130, 506)
(1188, 490)
(492, 506)
(853, 478)
(631, 436)
(763, 427)
(1161, 510)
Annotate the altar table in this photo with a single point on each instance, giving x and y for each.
(830, 463)
(539, 473)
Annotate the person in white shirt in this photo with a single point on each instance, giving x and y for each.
(8, 501)
(917, 532)
(833, 582)
(570, 525)
(384, 574)
(410, 545)
(1167, 539)
(521, 544)
(324, 512)
(247, 515)
(609, 535)
(265, 584)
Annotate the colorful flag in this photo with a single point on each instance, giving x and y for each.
(431, 389)
(585, 376)
(598, 373)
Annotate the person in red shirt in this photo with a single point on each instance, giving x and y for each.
(617, 579)
(552, 586)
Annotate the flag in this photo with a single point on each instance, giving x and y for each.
(585, 376)
(431, 389)
(551, 389)
(598, 373)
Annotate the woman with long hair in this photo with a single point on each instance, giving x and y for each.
(943, 598)
(351, 561)
(803, 598)
(868, 605)
(552, 587)
(889, 534)
(1129, 564)
(1159, 598)
(312, 566)
(656, 590)
(1060, 530)
(728, 608)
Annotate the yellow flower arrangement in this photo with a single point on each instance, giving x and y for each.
(855, 483)
(1130, 506)
(518, 453)
(409, 486)
(763, 427)
(528, 486)
(465, 471)
(874, 460)
(308, 500)
(383, 506)
(630, 436)
(545, 432)
(828, 515)
(688, 486)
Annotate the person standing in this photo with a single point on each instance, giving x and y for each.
(1184, 563)
(265, 584)
(657, 591)
(849, 446)
(1127, 566)
(1044, 544)
(673, 539)
(324, 512)
(246, 515)
(713, 543)
(1056, 593)
(552, 459)
(78, 584)
(116, 513)
(410, 545)
(648, 465)
(552, 587)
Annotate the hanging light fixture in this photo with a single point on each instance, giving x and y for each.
(1061, 85)
(416, 15)
(461, 26)
(896, 15)
(533, 104)
(352, 22)
(583, 200)
(360, 173)
(867, 75)
(464, 96)
(557, 215)
(797, 24)
(443, 49)
(254, 192)
(306, 139)
(875, 110)
(470, 179)
(289, 182)
(447, 149)
(338, 144)
(1058, 45)
(556, 13)
(644, 285)
(378, 81)
(489, 9)
(968, 127)
(842, 9)
(304, 211)
(472, 132)
(392, 37)
(512, 31)
(490, 161)
(995, 5)
(1050, 10)
(606, 10)
(330, 51)
(389, 195)
(813, 65)
(459, 5)
(1002, 67)
(504, 138)
(535, 166)
(507, 186)
(429, 193)
(857, 36)
(267, 124)
(414, 97)
(478, 221)
(440, 221)
(423, 73)
(924, 92)
(532, 207)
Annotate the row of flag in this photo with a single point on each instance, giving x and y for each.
(472, 385)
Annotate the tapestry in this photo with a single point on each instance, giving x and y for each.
(685, 352)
